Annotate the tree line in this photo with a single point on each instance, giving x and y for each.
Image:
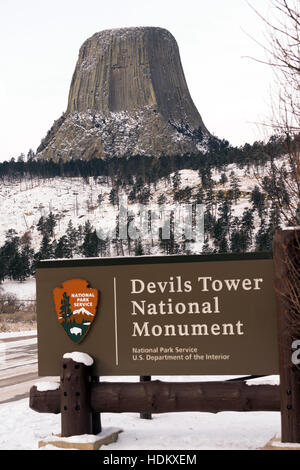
(151, 169)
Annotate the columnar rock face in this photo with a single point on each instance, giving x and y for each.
(128, 96)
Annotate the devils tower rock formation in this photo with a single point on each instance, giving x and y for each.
(128, 96)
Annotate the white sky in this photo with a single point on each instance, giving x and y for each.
(40, 40)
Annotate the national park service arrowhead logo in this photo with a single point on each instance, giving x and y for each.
(76, 307)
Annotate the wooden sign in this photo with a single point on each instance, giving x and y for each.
(175, 315)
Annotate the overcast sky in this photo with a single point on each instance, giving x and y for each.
(40, 40)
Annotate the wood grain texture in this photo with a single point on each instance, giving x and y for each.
(285, 251)
(167, 397)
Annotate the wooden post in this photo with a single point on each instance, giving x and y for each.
(76, 416)
(96, 417)
(286, 254)
(145, 378)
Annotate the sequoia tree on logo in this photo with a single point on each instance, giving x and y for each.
(76, 307)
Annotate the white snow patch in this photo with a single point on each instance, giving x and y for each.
(80, 357)
(285, 444)
(23, 290)
(269, 380)
(297, 227)
(47, 386)
(83, 438)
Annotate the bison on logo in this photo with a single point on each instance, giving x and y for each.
(76, 307)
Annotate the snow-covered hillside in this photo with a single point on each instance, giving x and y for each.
(76, 199)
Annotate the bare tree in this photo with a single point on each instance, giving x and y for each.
(282, 51)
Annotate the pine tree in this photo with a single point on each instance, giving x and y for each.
(72, 239)
(41, 225)
(100, 199)
(176, 179)
(144, 196)
(223, 179)
(239, 241)
(138, 249)
(169, 245)
(50, 224)
(3, 271)
(234, 186)
(46, 249)
(258, 200)
(200, 196)
(223, 245)
(206, 249)
(139, 185)
(113, 197)
(263, 241)
(90, 245)
(20, 266)
(27, 255)
(206, 177)
(10, 252)
(161, 200)
(224, 211)
(247, 222)
(62, 249)
(65, 308)
(183, 195)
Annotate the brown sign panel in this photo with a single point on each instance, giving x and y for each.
(179, 315)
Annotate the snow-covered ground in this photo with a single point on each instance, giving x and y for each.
(22, 428)
(23, 290)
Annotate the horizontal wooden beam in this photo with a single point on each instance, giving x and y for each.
(46, 401)
(168, 397)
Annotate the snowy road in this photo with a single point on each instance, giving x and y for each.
(18, 367)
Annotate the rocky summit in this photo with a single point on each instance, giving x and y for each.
(128, 96)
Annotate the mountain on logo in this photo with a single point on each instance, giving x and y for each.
(82, 315)
(83, 311)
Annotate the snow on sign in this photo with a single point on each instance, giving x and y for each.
(175, 315)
